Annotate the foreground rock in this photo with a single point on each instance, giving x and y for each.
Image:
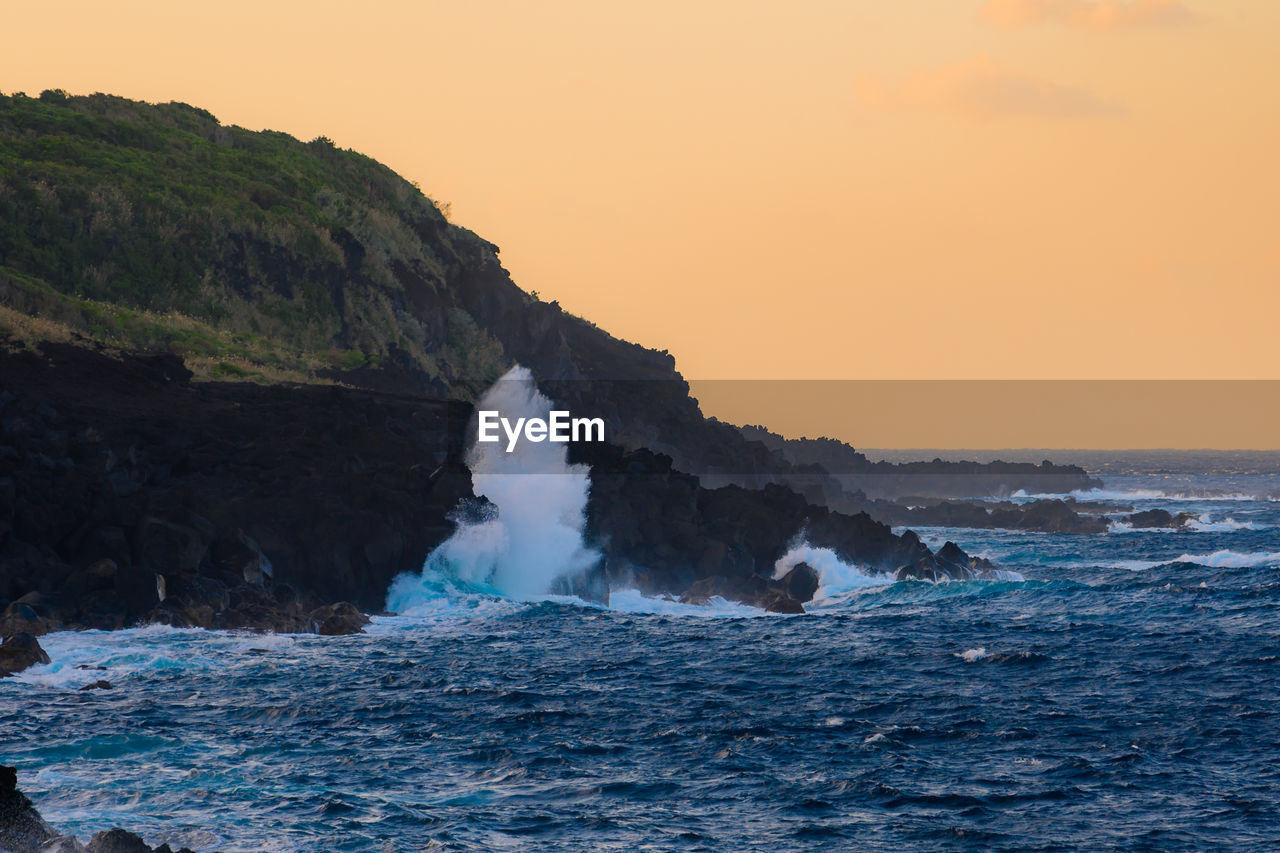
(20, 652)
(130, 495)
(22, 830)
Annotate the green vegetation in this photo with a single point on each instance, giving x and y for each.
(252, 255)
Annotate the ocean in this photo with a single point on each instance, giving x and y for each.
(1124, 694)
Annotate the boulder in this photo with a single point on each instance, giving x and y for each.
(19, 618)
(20, 652)
(800, 583)
(1158, 518)
(22, 830)
(117, 841)
(337, 619)
(779, 603)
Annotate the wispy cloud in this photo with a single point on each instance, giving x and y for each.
(982, 89)
(1094, 15)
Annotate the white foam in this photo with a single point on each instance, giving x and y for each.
(126, 653)
(1204, 524)
(835, 577)
(633, 601)
(534, 535)
(973, 655)
(1233, 559)
(1126, 495)
(1217, 560)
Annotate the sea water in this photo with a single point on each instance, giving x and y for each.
(1124, 695)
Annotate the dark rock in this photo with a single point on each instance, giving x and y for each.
(1048, 516)
(783, 604)
(19, 618)
(701, 591)
(117, 841)
(19, 652)
(1158, 518)
(920, 571)
(98, 685)
(21, 828)
(251, 514)
(338, 619)
(63, 844)
(240, 555)
(801, 582)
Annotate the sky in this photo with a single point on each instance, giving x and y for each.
(815, 189)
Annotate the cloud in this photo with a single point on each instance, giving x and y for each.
(1093, 15)
(981, 89)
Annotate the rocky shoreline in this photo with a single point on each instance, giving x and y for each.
(131, 495)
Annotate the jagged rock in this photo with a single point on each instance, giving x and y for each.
(1048, 516)
(801, 582)
(239, 554)
(703, 590)
(19, 618)
(19, 652)
(783, 604)
(338, 619)
(1158, 518)
(920, 571)
(22, 830)
(216, 462)
(98, 685)
(117, 841)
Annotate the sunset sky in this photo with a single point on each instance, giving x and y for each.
(810, 189)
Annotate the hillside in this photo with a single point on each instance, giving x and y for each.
(253, 256)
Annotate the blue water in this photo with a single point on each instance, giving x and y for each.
(1124, 696)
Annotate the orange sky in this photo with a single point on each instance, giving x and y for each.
(815, 188)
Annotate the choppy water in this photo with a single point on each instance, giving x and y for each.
(1124, 696)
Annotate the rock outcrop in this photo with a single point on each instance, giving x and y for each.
(131, 495)
(19, 652)
(22, 830)
(1045, 516)
(1158, 518)
(937, 478)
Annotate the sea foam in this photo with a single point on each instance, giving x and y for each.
(531, 532)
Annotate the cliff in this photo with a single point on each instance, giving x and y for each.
(255, 257)
(130, 493)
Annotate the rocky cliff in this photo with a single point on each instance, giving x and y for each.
(130, 493)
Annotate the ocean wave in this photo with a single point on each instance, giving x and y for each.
(80, 658)
(1203, 524)
(1126, 495)
(633, 601)
(835, 577)
(1217, 560)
